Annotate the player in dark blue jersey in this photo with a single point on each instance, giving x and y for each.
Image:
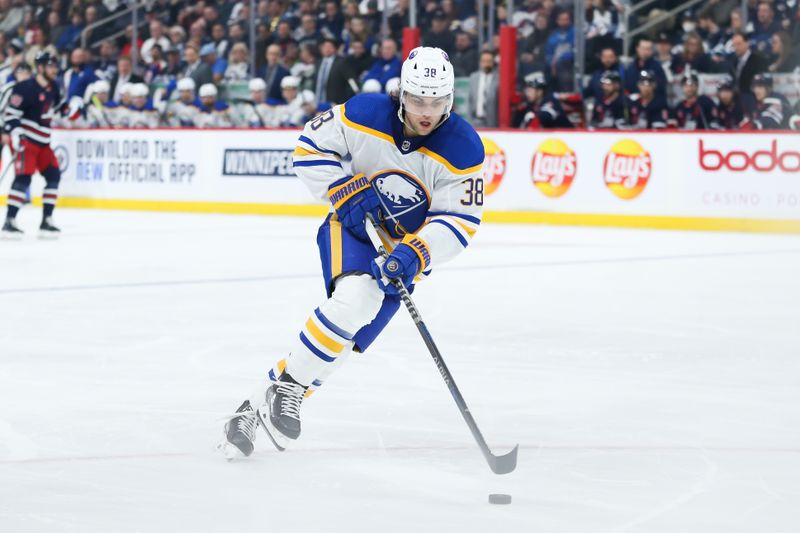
(772, 110)
(695, 112)
(31, 107)
(730, 112)
(648, 110)
(613, 111)
(540, 110)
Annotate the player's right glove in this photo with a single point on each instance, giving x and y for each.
(352, 198)
(408, 259)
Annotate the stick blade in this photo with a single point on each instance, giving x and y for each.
(504, 464)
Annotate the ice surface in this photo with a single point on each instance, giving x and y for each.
(652, 380)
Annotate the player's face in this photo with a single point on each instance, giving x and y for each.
(609, 88)
(646, 89)
(208, 101)
(257, 96)
(690, 90)
(51, 72)
(139, 101)
(103, 97)
(760, 92)
(22, 75)
(726, 96)
(289, 93)
(423, 113)
(187, 97)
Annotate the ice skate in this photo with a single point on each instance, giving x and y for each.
(240, 433)
(280, 413)
(48, 230)
(11, 231)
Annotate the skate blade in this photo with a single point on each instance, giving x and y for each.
(229, 451)
(8, 236)
(48, 235)
(278, 439)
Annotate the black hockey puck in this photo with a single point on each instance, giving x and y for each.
(500, 499)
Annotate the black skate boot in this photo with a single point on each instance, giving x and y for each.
(48, 230)
(240, 433)
(11, 231)
(280, 414)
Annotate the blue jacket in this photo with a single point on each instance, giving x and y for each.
(383, 70)
(562, 43)
(631, 79)
(80, 81)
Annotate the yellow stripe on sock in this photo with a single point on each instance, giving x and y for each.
(322, 338)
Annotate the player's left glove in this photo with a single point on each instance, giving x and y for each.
(408, 259)
(352, 198)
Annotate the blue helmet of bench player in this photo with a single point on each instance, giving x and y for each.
(427, 74)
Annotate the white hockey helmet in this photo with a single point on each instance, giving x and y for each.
(186, 84)
(308, 97)
(126, 88)
(371, 86)
(393, 86)
(257, 84)
(428, 75)
(100, 86)
(208, 89)
(140, 90)
(290, 82)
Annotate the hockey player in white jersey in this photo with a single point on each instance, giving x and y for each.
(183, 111)
(409, 162)
(256, 113)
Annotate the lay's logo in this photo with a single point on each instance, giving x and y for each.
(553, 168)
(627, 168)
(494, 165)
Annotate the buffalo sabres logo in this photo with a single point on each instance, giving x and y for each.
(404, 199)
(405, 146)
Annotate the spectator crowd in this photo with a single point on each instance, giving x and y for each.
(190, 65)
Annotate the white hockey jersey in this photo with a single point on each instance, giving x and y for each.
(439, 176)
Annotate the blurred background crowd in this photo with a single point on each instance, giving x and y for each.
(716, 64)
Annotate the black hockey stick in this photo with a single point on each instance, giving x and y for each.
(500, 464)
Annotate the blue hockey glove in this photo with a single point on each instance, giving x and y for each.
(408, 259)
(352, 198)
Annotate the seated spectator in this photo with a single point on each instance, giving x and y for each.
(14, 16)
(238, 65)
(53, 27)
(306, 67)
(730, 112)
(307, 32)
(670, 62)
(357, 30)
(177, 37)
(602, 19)
(174, 64)
(560, 51)
(764, 27)
(213, 113)
(648, 111)
(273, 71)
(219, 40)
(608, 61)
(612, 111)
(154, 73)
(785, 59)
(539, 110)
(387, 66)
(15, 56)
(331, 21)
(440, 35)
(283, 35)
(694, 56)
(645, 61)
(710, 31)
(465, 56)
(695, 111)
(156, 37)
(772, 111)
(71, 35)
(358, 60)
(105, 66)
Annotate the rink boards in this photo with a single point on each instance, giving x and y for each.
(703, 181)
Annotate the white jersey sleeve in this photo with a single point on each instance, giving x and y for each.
(319, 152)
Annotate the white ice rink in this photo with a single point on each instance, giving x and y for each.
(652, 380)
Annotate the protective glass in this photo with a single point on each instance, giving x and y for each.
(433, 106)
